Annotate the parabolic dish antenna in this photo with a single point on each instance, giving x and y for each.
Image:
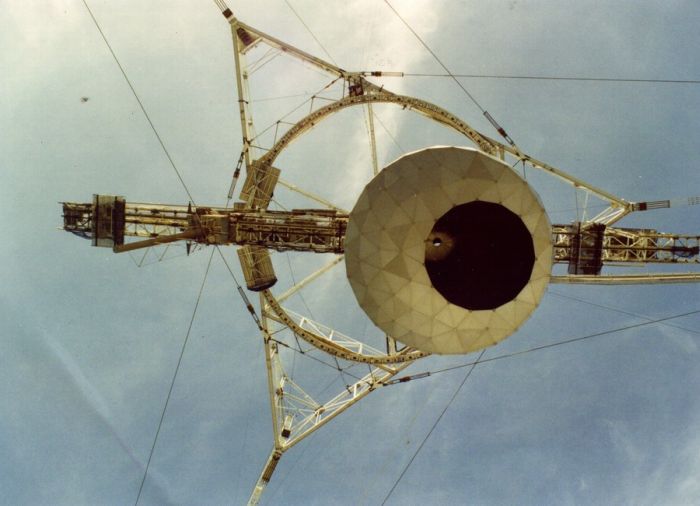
(448, 250)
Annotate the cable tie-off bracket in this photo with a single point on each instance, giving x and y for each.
(499, 128)
(404, 379)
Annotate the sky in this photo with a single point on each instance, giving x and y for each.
(90, 340)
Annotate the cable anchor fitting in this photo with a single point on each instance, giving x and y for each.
(404, 379)
(500, 129)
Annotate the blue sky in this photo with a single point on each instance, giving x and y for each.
(90, 341)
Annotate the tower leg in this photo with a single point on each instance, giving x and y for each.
(265, 475)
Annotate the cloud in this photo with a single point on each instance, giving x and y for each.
(60, 381)
(666, 473)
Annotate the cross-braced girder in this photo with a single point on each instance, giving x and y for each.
(626, 245)
(586, 246)
(323, 231)
(296, 413)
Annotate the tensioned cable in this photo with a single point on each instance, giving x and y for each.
(138, 100)
(312, 33)
(255, 317)
(566, 341)
(560, 78)
(282, 97)
(405, 435)
(449, 74)
(340, 369)
(486, 114)
(307, 441)
(221, 5)
(306, 354)
(199, 296)
(311, 314)
(302, 104)
(290, 468)
(621, 311)
(479, 360)
(184, 185)
(172, 383)
(294, 283)
(308, 29)
(435, 424)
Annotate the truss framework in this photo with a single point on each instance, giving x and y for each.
(585, 246)
(323, 231)
(620, 245)
(295, 413)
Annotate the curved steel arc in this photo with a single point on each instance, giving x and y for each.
(332, 347)
(373, 94)
(376, 95)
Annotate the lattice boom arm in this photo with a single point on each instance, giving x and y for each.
(109, 219)
(587, 246)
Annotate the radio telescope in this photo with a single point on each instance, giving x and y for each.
(448, 249)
